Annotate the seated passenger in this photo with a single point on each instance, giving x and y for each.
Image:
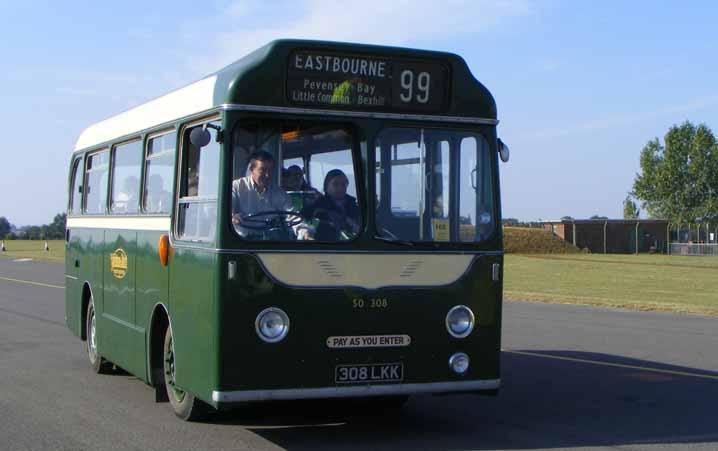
(157, 199)
(302, 194)
(255, 193)
(126, 199)
(295, 180)
(337, 212)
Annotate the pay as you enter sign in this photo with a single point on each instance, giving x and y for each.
(369, 341)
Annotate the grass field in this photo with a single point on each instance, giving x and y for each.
(640, 282)
(643, 282)
(34, 249)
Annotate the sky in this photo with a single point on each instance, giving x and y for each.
(581, 86)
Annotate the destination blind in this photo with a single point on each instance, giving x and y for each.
(353, 82)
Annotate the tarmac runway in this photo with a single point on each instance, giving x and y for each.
(572, 378)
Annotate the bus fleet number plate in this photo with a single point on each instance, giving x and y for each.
(382, 372)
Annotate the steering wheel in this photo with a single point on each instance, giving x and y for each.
(271, 219)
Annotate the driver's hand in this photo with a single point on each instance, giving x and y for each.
(236, 219)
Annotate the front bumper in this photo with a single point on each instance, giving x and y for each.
(356, 391)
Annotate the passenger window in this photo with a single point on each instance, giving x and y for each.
(95, 192)
(159, 173)
(75, 194)
(200, 179)
(125, 190)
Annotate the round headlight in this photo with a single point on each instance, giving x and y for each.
(272, 324)
(459, 363)
(460, 321)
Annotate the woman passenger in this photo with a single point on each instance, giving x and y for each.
(337, 211)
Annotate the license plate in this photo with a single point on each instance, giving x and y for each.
(379, 372)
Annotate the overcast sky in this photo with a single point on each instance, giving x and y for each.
(581, 86)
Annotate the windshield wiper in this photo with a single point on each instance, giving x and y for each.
(389, 240)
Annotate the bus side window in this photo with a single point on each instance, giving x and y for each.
(75, 195)
(197, 217)
(125, 180)
(95, 191)
(159, 173)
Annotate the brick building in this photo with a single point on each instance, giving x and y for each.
(613, 236)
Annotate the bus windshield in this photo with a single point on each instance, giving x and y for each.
(294, 181)
(433, 185)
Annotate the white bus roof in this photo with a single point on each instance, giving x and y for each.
(192, 99)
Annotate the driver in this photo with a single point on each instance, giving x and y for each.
(255, 193)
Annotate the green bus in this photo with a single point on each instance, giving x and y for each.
(315, 220)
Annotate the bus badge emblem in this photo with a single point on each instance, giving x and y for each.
(118, 263)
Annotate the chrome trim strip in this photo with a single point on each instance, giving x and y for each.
(67, 276)
(355, 391)
(225, 251)
(358, 114)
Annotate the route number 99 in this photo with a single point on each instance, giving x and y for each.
(412, 89)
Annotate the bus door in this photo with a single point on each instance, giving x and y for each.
(120, 255)
(72, 263)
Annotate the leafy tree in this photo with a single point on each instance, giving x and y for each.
(598, 217)
(679, 180)
(5, 226)
(630, 209)
(510, 222)
(56, 229)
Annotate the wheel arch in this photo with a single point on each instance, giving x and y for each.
(85, 301)
(159, 322)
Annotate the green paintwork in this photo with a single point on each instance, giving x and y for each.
(212, 318)
(266, 67)
(316, 314)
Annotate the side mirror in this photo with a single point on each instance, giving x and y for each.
(199, 137)
(503, 151)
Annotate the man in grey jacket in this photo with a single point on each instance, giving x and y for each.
(255, 193)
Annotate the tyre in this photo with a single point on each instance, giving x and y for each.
(98, 364)
(184, 404)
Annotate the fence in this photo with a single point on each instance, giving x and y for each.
(694, 249)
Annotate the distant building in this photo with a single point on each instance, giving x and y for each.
(613, 236)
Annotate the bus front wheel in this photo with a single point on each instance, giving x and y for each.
(97, 362)
(184, 404)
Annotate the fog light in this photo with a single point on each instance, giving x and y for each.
(459, 363)
(460, 321)
(272, 325)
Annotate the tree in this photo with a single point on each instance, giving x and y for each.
(5, 226)
(598, 217)
(630, 209)
(679, 180)
(56, 229)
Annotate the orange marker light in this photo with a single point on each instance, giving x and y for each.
(164, 249)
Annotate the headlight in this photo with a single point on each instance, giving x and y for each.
(459, 363)
(272, 325)
(460, 321)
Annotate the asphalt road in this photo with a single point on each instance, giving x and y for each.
(573, 377)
